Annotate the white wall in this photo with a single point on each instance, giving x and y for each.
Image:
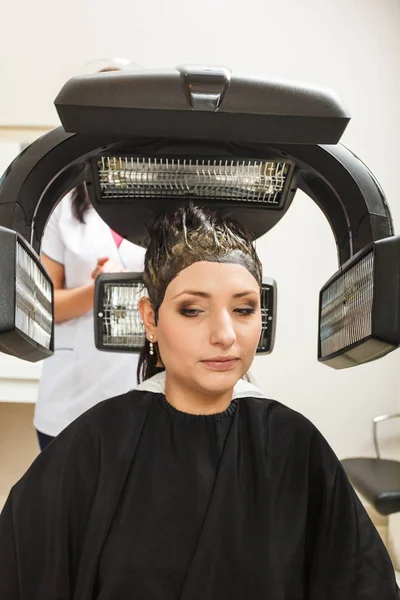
(351, 46)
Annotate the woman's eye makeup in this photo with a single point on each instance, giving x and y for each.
(246, 311)
(189, 312)
(243, 311)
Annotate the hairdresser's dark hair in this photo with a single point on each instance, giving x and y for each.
(80, 202)
(187, 230)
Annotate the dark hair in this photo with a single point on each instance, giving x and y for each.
(80, 202)
(179, 238)
(147, 364)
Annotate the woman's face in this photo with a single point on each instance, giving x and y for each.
(209, 326)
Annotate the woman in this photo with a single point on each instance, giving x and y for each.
(77, 246)
(193, 486)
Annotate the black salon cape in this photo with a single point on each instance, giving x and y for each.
(282, 523)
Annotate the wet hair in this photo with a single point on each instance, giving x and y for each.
(179, 238)
(80, 202)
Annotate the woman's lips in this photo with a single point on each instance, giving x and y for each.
(221, 365)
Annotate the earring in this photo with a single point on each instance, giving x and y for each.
(151, 345)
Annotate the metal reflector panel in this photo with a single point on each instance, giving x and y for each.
(122, 324)
(248, 181)
(33, 299)
(346, 307)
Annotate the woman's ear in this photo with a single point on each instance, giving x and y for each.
(148, 316)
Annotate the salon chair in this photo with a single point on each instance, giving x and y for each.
(378, 481)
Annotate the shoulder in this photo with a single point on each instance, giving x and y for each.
(113, 415)
(286, 430)
(58, 221)
(292, 443)
(63, 210)
(279, 417)
(278, 421)
(271, 412)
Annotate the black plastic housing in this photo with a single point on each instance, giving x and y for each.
(203, 103)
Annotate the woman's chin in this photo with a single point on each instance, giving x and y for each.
(218, 382)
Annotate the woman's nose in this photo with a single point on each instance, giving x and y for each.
(222, 331)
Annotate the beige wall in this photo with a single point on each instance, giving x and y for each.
(18, 443)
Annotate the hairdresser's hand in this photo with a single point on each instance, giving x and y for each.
(105, 265)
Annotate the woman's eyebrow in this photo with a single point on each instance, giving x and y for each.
(206, 295)
(193, 293)
(246, 293)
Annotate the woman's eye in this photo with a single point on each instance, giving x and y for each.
(189, 312)
(245, 311)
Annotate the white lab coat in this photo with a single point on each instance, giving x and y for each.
(78, 376)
